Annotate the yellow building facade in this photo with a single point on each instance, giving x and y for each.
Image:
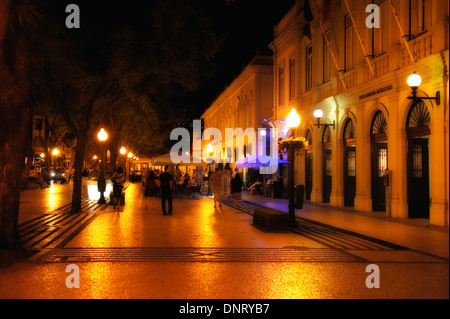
(328, 57)
(243, 104)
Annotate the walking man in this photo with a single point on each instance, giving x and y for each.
(166, 185)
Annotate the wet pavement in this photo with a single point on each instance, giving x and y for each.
(204, 253)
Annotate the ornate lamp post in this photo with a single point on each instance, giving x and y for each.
(122, 158)
(318, 113)
(291, 146)
(414, 80)
(102, 136)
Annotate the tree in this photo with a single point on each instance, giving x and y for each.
(98, 71)
(16, 115)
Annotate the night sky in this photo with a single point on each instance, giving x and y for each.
(247, 28)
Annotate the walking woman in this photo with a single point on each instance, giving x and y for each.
(236, 188)
(216, 184)
(150, 187)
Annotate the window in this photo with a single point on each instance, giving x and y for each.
(418, 18)
(38, 124)
(379, 35)
(309, 67)
(327, 67)
(291, 79)
(281, 86)
(349, 44)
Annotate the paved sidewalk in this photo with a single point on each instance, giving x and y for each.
(201, 252)
(416, 234)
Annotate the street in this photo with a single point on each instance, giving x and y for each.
(206, 253)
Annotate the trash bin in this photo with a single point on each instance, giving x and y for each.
(299, 191)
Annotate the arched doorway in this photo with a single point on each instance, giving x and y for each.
(308, 166)
(326, 165)
(378, 136)
(417, 131)
(349, 163)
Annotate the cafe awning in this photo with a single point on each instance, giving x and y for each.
(254, 161)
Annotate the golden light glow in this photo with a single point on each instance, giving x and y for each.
(55, 151)
(102, 135)
(209, 148)
(293, 119)
(130, 155)
(94, 157)
(414, 80)
(318, 113)
(123, 150)
(42, 155)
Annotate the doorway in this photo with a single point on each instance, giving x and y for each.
(308, 167)
(349, 163)
(326, 165)
(379, 160)
(418, 180)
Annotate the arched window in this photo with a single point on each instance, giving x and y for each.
(418, 120)
(349, 133)
(378, 128)
(308, 137)
(326, 137)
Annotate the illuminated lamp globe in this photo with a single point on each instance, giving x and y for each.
(414, 80)
(102, 135)
(123, 150)
(293, 119)
(55, 151)
(130, 155)
(318, 113)
(209, 148)
(262, 132)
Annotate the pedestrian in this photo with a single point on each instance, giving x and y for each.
(166, 185)
(216, 185)
(118, 182)
(150, 186)
(236, 188)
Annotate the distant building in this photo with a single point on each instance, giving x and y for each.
(243, 104)
(45, 140)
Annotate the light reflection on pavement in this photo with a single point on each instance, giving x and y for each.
(198, 225)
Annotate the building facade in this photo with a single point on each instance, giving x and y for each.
(328, 57)
(243, 104)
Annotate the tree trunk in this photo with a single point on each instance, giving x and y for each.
(78, 166)
(15, 125)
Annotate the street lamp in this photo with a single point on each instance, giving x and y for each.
(55, 153)
(318, 113)
(102, 136)
(123, 150)
(414, 80)
(292, 121)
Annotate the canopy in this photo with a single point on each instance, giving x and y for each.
(186, 160)
(253, 161)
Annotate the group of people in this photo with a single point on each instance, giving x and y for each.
(164, 182)
(216, 184)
